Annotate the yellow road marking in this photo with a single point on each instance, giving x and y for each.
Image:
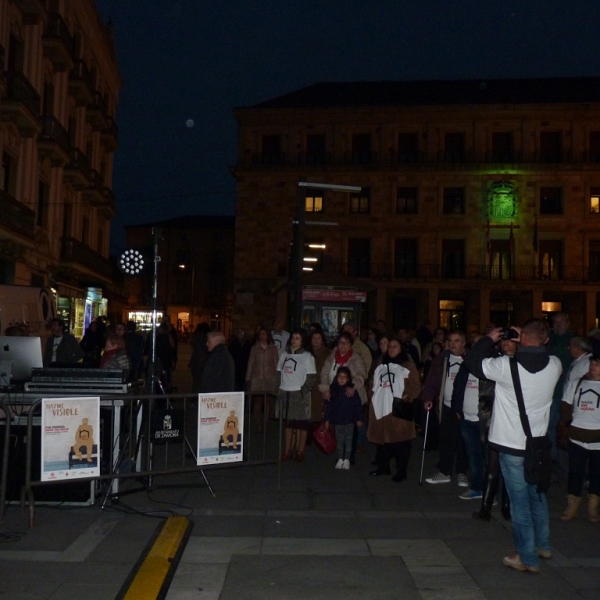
(151, 575)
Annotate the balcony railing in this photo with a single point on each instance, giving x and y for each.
(452, 160)
(81, 83)
(56, 27)
(53, 131)
(57, 30)
(16, 216)
(453, 271)
(19, 89)
(74, 251)
(78, 160)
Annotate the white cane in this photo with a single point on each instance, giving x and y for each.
(424, 445)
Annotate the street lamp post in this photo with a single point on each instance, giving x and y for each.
(298, 244)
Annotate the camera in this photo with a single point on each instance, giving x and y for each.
(509, 334)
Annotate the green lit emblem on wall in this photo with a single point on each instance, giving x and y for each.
(502, 200)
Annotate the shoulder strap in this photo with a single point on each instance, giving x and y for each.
(387, 365)
(514, 371)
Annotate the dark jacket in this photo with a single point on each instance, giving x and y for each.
(219, 371)
(342, 409)
(67, 352)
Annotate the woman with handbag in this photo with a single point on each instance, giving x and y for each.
(297, 375)
(261, 375)
(396, 379)
(343, 355)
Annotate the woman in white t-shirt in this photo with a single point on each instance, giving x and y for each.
(297, 374)
(580, 409)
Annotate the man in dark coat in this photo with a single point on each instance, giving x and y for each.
(61, 347)
(219, 371)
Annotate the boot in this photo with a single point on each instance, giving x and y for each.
(487, 501)
(384, 462)
(572, 507)
(592, 508)
(401, 452)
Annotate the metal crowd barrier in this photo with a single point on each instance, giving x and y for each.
(141, 446)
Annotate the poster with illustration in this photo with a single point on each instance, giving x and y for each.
(70, 438)
(220, 428)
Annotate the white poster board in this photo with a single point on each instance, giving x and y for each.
(70, 438)
(220, 428)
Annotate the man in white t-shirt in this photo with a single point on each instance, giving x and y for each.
(538, 372)
(280, 335)
(438, 388)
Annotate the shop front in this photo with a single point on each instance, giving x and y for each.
(332, 308)
(79, 307)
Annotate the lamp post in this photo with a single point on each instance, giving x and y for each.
(298, 244)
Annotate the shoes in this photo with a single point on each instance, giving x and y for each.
(482, 514)
(380, 471)
(346, 464)
(547, 554)
(514, 562)
(300, 456)
(399, 476)
(339, 464)
(470, 495)
(462, 480)
(438, 478)
(287, 455)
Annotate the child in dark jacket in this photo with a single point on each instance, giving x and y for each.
(344, 410)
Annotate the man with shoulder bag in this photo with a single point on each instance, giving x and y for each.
(518, 431)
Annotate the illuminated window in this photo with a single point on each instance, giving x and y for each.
(406, 200)
(595, 200)
(360, 203)
(314, 204)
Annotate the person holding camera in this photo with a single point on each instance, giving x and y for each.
(538, 373)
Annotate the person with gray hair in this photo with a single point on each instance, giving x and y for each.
(580, 350)
(219, 371)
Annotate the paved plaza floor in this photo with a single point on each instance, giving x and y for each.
(324, 534)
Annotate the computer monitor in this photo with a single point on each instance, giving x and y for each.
(25, 354)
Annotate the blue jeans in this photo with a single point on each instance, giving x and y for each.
(529, 511)
(475, 453)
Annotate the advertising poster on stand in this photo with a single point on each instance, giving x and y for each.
(220, 428)
(70, 438)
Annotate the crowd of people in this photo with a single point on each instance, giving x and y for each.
(467, 383)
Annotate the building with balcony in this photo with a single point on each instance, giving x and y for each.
(479, 201)
(59, 89)
(195, 272)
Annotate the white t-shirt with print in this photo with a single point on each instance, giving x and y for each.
(585, 399)
(471, 399)
(294, 369)
(453, 363)
(280, 339)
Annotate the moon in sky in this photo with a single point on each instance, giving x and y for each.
(189, 123)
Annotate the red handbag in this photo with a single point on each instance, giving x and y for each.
(324, 438)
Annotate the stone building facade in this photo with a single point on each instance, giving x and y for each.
(59, 90)
(479, 201)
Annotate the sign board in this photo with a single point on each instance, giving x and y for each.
(325, 295)
(70, 438)
(220, 428)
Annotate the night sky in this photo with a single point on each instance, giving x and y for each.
(186, 64)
